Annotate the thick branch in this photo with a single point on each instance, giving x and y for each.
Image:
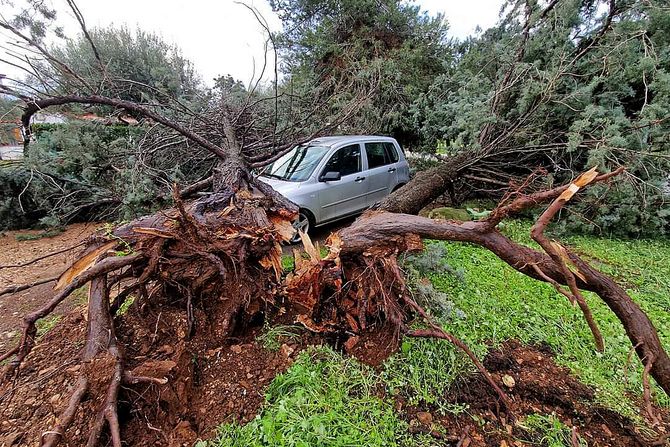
(426, 186)
(40, 258)
(18, 288)
(379, 230)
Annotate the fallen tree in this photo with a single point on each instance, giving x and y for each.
(222, 252)
(219, 256)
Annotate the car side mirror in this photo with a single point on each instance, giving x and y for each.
(330, 176)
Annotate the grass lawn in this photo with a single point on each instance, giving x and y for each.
(325, 399)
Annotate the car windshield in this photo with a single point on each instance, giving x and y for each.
(297, 165)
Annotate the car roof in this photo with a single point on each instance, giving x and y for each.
(345, 139)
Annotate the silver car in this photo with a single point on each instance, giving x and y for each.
(331, 178)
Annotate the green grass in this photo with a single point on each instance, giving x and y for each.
(80, 296)
(325, 399)
(549, 431)
(42, 234)
(500, 304)
(123, 308)
(46, 324)
(273, 337)
(322, 400)
(288, 263)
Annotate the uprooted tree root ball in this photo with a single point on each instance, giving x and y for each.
(219, 255)
(206, 271)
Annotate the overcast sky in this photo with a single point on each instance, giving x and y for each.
(223, 37)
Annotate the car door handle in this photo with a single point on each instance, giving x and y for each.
(391, 169)
(359, 179)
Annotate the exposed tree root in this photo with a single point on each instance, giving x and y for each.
(40, 258)
(222, 250)
(373, 294)
(21, 287)
(27, 341)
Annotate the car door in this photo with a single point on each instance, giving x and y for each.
(347, 195)
(381, 174)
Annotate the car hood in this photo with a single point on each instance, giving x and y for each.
(281, 186)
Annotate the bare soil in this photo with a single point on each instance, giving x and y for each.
(539, 386)
(205, 387)
(13, 251)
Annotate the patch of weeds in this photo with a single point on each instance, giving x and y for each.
(287, 263)
(42, 234)
(46, 324)
(424, 370)
(323, 251)
(432, 260)
(123, 308)
(80, 296)
(549, 431)
(438, 303)
(274, 336)
(322, 400)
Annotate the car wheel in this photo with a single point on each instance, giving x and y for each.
(303, 224)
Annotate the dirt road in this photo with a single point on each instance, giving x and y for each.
(14, 251)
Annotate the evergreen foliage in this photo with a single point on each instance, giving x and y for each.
(568, 84)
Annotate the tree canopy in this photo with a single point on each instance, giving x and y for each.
(388, 46)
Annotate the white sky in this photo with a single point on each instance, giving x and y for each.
(223, 37)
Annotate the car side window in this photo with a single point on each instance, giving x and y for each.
(391, 152)
(346, 160)
(376, 155)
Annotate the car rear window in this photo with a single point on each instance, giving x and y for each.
(391, 152)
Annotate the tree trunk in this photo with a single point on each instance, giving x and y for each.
(426, 186)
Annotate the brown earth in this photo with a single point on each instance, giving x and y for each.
(537, 386)
(205, 387)
(213, 379)
(13, 251)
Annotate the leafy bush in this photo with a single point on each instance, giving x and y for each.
(83, 171)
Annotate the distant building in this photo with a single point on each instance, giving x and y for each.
(49, 118)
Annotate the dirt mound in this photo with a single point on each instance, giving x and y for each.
(537, 386)
(205, 386)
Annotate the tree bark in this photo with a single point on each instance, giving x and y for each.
(426, 186)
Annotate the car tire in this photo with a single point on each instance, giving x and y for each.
(304, 222)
